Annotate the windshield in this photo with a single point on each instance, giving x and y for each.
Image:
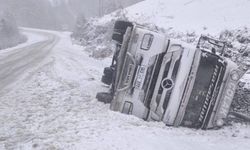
(205, 90)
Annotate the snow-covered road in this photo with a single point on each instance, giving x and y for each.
(15, 62)
(53, 107)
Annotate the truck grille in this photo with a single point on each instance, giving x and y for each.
(169, 70)
(169, 74)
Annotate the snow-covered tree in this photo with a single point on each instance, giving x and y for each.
(80, 28)
(9, 33)
(8, 26)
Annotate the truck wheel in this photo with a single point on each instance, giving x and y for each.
(107, 79)
(104, 97)
(120, 29)
(108, 71)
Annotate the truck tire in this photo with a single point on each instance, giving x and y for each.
(120, 29)
(107, 79)
(104, 97)
(108, 71)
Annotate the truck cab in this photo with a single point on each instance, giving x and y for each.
(161, 79)
(140, 55)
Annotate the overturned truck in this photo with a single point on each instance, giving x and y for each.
(160, 79)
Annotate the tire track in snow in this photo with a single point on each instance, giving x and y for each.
(18, 62)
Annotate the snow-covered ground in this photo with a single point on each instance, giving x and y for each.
(55, 108)
(16, 62)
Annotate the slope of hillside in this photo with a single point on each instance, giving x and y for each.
(193, 15)
(9, 32)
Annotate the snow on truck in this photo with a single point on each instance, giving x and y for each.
(160, 79)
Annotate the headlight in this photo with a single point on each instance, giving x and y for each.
(147, 41)
(235, 76)
(220, 123)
